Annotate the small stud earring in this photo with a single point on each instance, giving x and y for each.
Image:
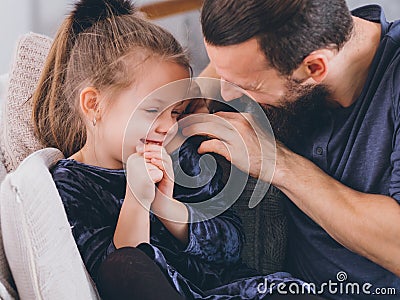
(94, 122)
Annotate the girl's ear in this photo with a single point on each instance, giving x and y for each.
(90, 104)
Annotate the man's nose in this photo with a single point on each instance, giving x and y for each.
(229, 91)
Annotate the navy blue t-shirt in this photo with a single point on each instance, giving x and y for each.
(360, 147)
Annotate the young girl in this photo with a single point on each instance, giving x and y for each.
(104, 61)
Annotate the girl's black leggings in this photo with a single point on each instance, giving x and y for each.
(129, 273)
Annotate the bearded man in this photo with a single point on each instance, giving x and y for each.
(329, 81)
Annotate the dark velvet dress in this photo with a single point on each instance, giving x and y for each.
(208, 267)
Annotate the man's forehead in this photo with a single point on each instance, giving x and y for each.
(234, 60)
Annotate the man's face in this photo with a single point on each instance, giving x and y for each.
(246, 66)
(292, 105)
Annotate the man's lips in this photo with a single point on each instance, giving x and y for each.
(146, 141)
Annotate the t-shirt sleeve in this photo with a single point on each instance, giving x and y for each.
(394, 188)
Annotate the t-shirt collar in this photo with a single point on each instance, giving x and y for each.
(373, 13)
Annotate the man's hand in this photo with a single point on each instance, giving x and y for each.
(238, 138)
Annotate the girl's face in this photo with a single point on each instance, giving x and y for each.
(132, 118)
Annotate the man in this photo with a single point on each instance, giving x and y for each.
(330, 82)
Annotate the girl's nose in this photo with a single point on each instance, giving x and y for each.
(164, 123)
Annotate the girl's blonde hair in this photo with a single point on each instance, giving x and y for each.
(95, 46)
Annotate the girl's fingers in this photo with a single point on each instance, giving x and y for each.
(156, 154)
(163, 168)
(158, 163)
(155, 173)
(150, 155)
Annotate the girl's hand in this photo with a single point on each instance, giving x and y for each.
(172, 213)
(141, 178)
(158, 157)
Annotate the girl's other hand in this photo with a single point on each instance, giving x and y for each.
(158, 157)
(171, 212)
(141, 178)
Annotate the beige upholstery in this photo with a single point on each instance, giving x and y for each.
(17, 139)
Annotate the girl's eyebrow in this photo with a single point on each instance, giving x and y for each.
(163, 101)
(157, 100)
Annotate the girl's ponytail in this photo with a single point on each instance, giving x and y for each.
(49, 105)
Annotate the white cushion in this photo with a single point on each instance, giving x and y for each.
(38, 242)
(7, 286)
(3, 171)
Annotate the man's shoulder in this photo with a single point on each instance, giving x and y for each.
(394, 33)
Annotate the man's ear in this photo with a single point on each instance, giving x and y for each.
(316, 64)
(90, 103)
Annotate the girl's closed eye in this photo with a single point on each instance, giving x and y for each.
(152, 110)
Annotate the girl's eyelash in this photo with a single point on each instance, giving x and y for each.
(156, 110)
(151, 110)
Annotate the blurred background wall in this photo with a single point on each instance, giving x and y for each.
(44, 16)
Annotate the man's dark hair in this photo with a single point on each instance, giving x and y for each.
(287, 30)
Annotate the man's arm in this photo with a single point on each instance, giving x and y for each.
(364, 223)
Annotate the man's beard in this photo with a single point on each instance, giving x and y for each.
(302, 110)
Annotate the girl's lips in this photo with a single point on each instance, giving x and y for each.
(144, 141)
